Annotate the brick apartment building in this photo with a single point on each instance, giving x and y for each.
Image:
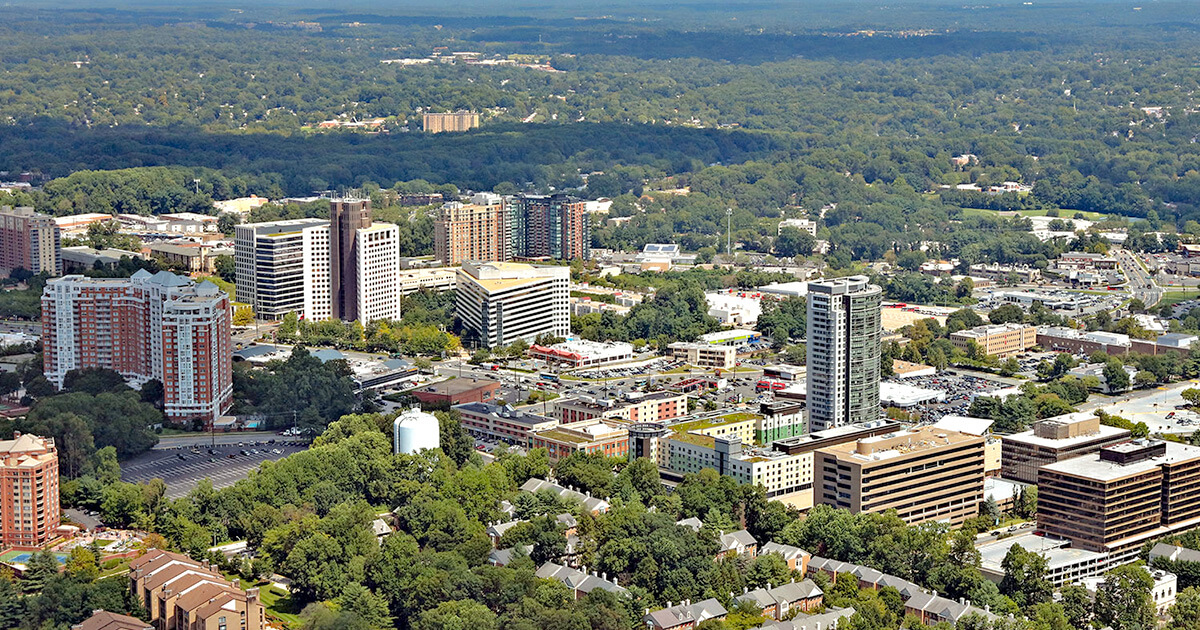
(29, 511)
(999, 340)
(29, 240)
(653, 407)
(159, 326)
(474, 231)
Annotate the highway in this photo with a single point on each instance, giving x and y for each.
(1141, 283)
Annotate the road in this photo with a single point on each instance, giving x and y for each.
(1141, 283)
(1151, 406)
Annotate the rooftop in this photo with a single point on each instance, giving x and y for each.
(898, 444)
(1092, 467)
(1028, 437)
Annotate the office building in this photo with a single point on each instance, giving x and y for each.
(703, 355)
(345, 268)
(660, 406)
(843, 352)
(436, 279)
(179, 593)
(473, 231)
(284, 267)
(499, 303)
(593, 437)
(1119, 498)
(502, 422)
(999, 340)
(925, 474)
(1054, 440)
(376, 285)
(29, 511)
(29, 240)
(159, 326)
(549, 226)
(781, 419)
(454, 121)
(457, 391)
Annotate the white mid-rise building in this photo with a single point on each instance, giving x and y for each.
(377, 253)
(499, 303)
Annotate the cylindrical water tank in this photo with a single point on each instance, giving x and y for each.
(415, 431)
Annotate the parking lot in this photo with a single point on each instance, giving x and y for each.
(225, 464)
(960, 390)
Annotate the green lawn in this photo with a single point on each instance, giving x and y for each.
(1063, 214)
(1175, 297)
(279, 604)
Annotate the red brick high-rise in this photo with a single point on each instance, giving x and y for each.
(160, 326)
(29, 240)
(29, 511)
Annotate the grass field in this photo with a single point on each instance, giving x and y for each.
(1175, 297)
(1062, 214)
(279, 604)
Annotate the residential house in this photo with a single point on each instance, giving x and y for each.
(685, 615)
(579, 580)
(932, 608)
(739, 543)
(778, 601)
(796, 558)
(104, 620)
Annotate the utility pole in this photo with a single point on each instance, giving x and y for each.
(728, 232)
(196, 182)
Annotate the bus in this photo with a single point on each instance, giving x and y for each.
(546, 376)
(765, 385)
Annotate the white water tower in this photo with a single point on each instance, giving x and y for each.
(415, 431)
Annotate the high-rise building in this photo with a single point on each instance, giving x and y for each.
(454, 121)
(160, 326)
(376, 278)
(29, 240)
(926, 474)
(284, 267)
(843, 352)
(549, 226)
(499, 303)
(29, 512)
(1116, 500)
(476, 231)
(346, 217)
(347, 267)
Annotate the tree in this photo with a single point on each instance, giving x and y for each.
(1185, 613)
(369, 607)
(1025, 577)
(1006, 313)
(767, 569)
(1010, 367)
(94, 381)
(1192, 395)
(457, 615)
(225, 267)
(1123, 599)
(243, 316)
(81, 565)
(1115, 376)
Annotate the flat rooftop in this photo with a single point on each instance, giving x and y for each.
(1027, 437)
(1054, 550)
(897, 444)
(1092, 467)
(456, 386)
